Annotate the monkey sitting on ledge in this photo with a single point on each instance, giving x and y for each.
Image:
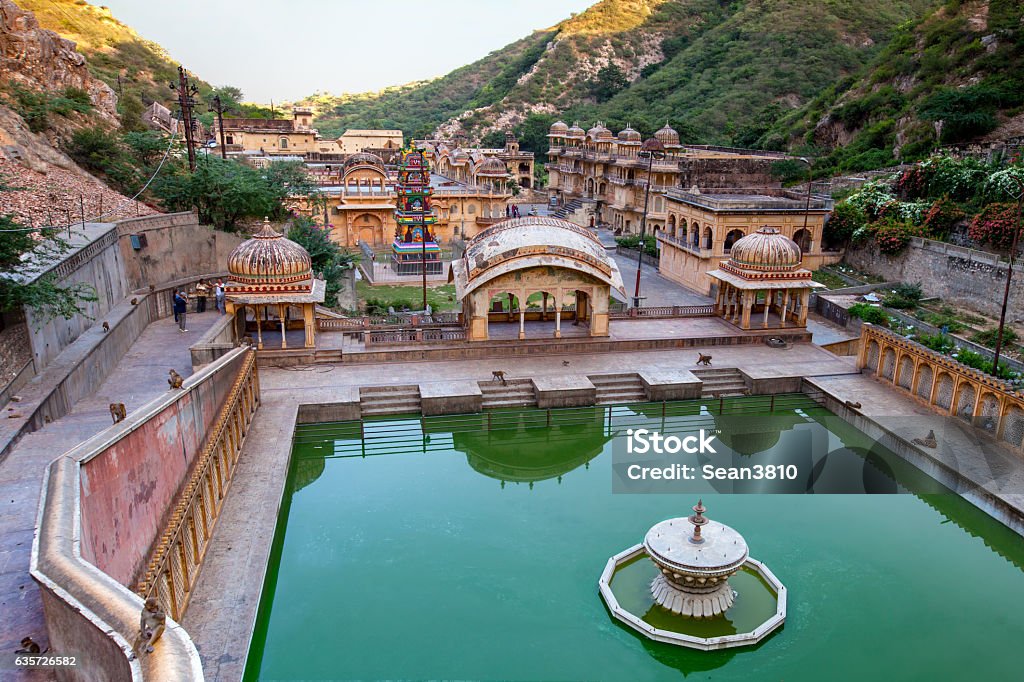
(151, 626)
(118, 412)
(175, 380)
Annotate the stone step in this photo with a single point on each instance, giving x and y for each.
(393, 399)
(716, 372)
(610, 379)
(492, 403)
(377, 390)
(384, 411)
(604, 398)
(721, 381)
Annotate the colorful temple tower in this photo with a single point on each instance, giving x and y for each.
(414, 250)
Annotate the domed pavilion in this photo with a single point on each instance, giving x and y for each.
(763, 277)
(271, 278)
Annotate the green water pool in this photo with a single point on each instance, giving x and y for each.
(469, 548)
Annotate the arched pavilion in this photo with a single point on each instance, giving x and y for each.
(271, 276)
(535, 258)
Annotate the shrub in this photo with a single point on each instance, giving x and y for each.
(869, 313)
(941, 217)
(995, 225)
(979, 362)
(892, 236)
(988, 337)
(940, 343)
(904, 296)
(845, 220)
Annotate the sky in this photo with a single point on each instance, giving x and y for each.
(287, 49)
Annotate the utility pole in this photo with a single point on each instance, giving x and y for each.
(1009, 276)
(187, 102)
(216, 106)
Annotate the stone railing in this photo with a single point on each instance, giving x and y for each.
(942, 383)
(174, 567)
(398, 337)
(97, 517)
(391, 322)
(664, 312)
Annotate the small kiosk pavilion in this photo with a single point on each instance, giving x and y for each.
(764, 278)
(272, 277)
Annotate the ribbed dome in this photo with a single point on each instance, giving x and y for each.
(667, 135)
(493, 167)
(575, 131)
(765, 250)
(364, 159)
(559, 128)
(599, 132)
(627, 134)
(269, 258)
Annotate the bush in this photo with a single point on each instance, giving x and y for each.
(845, 220)
(995, 225)
(940, 343)
(35, 106)
(941, 217)
(979, 362)
(869, 313)
(892, 236)
(988, 337)
(904, 296)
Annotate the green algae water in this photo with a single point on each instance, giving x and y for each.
(470, 548)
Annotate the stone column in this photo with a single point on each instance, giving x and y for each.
(805, 297)
(280, 312)
(544, 307)
(309, 319)
(522, 322)
(259, 327)
(785, 308)
(747, 306)
(767, 306)
(558, 314)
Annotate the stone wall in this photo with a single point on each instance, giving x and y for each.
(127, 488)
(15, 353)
(177, 249)
(97, 263)
(959, 276)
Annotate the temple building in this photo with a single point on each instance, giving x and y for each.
(359, 197)
(762, 283)
(600, 177)
(535, 269)
(271, 288)
(463, 163)
(414, 249)
(701, 228)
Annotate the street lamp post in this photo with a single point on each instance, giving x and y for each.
(807, 203)
(1009, 276)
(651, 149)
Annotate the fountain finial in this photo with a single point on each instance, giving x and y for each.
(698, 520)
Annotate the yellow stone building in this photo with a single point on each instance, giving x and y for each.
(700, 229)
(294, 136)
(458, 163)
(602, 178)
(356, 140)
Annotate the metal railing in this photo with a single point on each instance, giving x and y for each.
(174, 567)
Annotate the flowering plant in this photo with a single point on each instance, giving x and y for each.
(995, 225)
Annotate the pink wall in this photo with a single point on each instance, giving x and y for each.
(128, 490)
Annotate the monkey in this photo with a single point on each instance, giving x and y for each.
(499, 375)
(29, 646)
(46, 419)
(118, 412)
(175, 379)
(928, 441)
(850, 403)
(703, 359)
(565, 363)
(152, 622)
(152, 287)
(106, 327)
(135, 301)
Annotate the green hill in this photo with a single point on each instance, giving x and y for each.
(721, 72)
(111, 48)
(954, 76)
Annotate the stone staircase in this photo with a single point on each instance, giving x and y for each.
(618, 388)
(721, 383)
(377, 401)
(514, 393)
(566, 210)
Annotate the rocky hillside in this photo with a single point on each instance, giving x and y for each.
(714, 69)
(954, 76)
(112, 48)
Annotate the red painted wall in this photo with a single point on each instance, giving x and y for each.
(128, 489)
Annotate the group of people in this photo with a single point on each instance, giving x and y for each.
(512, 211)
(202, 292)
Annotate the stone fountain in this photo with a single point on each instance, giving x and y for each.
(695, 557)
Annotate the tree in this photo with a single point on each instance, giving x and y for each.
(327, 256)
(493, 139)
(45, 296)
(608, 82)
(130, 108)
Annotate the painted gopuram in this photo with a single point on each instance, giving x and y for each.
(415, 248)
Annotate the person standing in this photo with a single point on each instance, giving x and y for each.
(201, 291)
(180, 308)
(218, 295)
(174, 304)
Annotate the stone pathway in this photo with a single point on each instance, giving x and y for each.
(140, 376)
(658, 290)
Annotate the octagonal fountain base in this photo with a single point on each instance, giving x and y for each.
(688, 631)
